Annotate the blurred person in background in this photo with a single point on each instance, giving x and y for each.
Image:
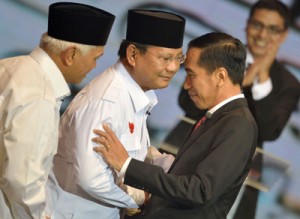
(271, 90)
(32, 88)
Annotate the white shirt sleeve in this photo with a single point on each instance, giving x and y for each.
(30, 143)
(137, 194)
(261, 90)
(94, 175)
(156, 158)
(124, 167)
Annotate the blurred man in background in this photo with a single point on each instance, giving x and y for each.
(271, 90)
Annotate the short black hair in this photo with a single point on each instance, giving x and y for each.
(273, 5)
(221, 50)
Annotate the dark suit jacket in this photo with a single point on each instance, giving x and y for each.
(208, 171)
(273, 112)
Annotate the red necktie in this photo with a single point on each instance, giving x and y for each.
(199, 122)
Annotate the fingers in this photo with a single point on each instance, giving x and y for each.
(107, 133)
(102, 134)
(103, 152)
(99, 150)
(102, 141)
(104, 137)
(112, 135)
(132, 211)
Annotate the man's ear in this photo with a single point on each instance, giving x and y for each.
(67, 56)
(284, 36)
(221, 75)
(131, 54)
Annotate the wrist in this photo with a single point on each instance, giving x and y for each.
(263, 78)
(147, 197)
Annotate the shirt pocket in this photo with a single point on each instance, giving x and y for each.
(132, 144)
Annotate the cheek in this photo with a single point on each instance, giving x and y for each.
(250, 37)
(276, 40)
(204, 88)
(88, 65)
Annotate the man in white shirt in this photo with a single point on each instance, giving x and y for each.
(121, 96)
(31, 90)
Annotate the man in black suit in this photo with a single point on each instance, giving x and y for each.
(213, 162)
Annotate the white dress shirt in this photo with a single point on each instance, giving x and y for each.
(31, 89)
(259, 90)
(116, 99)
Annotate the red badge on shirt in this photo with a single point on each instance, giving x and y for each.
(131, 127)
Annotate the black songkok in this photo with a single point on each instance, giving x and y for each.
(79, 23)
(156, 28)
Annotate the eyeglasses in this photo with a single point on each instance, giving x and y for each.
(271, 29)
(168, 60)
(164, 60)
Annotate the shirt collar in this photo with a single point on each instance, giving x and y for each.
(140, 98)
(218, 106)
(54, 75)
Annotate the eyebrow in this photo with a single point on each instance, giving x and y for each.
(188, 70)
(259, 21)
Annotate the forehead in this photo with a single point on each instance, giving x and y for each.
(268, 17)
(98, 50)
(164, 50)
(193, 54)
(192, 58)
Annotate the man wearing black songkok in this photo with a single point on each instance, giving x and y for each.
(31, 90)
(121, 96)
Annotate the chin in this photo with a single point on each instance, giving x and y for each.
(163, 85)
(259, 52)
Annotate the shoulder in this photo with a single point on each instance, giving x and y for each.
(108, 85)
(26, 79)
(106, 89)
(236, 114)
(280, 74)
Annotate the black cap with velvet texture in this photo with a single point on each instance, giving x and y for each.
(156, 28)
(79, 23)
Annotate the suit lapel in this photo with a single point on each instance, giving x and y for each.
(237, 103)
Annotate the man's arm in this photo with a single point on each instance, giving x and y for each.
(210, 178)
(115, 156)
(30, 142)
(101, 182)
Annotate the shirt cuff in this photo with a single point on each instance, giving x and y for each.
(124, 167)
(261, 90)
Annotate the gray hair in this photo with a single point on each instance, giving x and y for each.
(56, 46)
